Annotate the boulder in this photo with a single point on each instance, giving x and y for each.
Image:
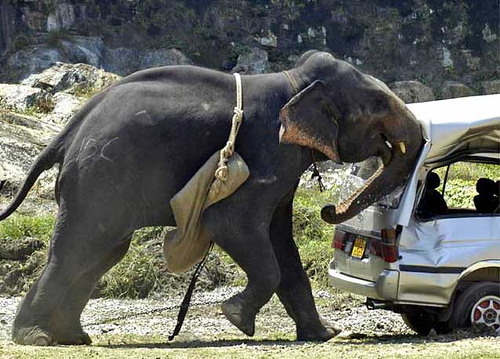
(267, 39)
(412, 91)
(121, 60)
(63, 16)
(453, 89)
(163, 57)
(71, 78)
(22, 97)
(65, 106)
(86, 49)
(253, 62)
(491, 87)
(19, 146)
(33, 60)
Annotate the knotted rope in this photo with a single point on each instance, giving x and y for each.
(221, 172)
(221, 176)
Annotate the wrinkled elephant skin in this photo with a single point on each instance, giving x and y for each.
(136, 144)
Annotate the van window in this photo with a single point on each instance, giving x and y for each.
(460, 189)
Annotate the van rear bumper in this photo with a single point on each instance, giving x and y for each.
(385, 288)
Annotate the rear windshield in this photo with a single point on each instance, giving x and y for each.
(345, 180)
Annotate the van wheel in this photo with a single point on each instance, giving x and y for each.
(423, 322)
(478, 304)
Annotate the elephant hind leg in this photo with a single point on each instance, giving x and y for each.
(80, 250)
(66, 323)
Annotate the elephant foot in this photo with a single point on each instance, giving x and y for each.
(80, 338)
(321, 333)
(240, 316)
(32, 336)
(41, 337)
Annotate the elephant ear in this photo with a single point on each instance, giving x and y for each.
(308, 120)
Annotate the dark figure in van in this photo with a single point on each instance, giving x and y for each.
(432, 203)
(486, 201)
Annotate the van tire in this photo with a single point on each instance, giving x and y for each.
(473, 294)
(422, 322)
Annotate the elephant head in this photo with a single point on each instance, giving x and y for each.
(349, 116)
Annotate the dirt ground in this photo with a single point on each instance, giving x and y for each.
(139, 329)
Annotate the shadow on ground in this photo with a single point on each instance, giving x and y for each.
(206, 344)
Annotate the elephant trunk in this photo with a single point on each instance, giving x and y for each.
(385, 180)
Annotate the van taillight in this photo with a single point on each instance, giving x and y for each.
(339, 240)
(390, 251)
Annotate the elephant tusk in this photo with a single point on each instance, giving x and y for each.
(402, 147)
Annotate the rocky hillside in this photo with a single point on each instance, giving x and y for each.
(34, 111)
(438, 43)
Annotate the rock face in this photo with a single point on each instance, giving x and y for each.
(164, 57)
(21, 140)
(71, 78)
(434, 41)
(253, 62)
(65, 87)
(22, 98)
(412, 91)
(491, 87)
(452, 89)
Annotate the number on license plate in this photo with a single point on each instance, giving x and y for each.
(359, 248)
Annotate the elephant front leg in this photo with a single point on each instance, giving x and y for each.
(246, 240)
(294, 289)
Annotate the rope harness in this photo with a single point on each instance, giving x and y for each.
(221, 176)
(228, 150)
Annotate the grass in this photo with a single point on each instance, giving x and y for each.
(21, 226)
(312, 235)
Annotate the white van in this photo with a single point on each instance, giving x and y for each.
(424, 251)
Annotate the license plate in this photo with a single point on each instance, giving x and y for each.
(359, 248)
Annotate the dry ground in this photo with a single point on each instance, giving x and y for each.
(127, 329)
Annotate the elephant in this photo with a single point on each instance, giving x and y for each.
(134, 145)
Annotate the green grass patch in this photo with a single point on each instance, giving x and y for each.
(23, 226)
(312, 235)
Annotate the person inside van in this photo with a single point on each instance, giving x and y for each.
(432, 202)
(486, 201)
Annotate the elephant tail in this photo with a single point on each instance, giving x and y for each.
(44, 161)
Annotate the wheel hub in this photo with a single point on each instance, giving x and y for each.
(486, 311)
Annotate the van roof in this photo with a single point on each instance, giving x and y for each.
(460, 124)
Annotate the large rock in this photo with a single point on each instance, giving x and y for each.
(21, 140)
(86, 49)
(491, 87)
(23, 97)
(253, 62)
(121, 60)
(163, 57)
(453, 89)
(62, 17)
(71, 78)
(65, 106)
(412, 91)
(34, 59)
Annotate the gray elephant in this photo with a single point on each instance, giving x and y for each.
(136, 144)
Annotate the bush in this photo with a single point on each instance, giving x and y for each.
(312, 235)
